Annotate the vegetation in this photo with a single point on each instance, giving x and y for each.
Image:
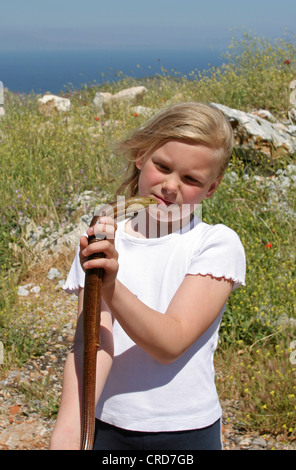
(44, 160)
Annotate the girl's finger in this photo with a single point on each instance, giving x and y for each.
(102, 246)
(106, 228)
(105, 263)
(83, 242)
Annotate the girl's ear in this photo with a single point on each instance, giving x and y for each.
(139, 164)
(213, 187)
(139, 161)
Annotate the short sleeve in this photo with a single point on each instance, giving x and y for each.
(75, 277)
(220, 254)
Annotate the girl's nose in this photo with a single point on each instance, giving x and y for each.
(171, 184)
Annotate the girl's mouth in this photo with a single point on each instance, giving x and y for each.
(162, 201)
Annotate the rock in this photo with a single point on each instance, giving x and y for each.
(292, 114)
(286, 321)
(260, 442)
(48, 104)
(22, 291)
(60, 284)
(17, 436)
(245, 442)
(293, 93)
(279, 187)
(291, 128)
(35, 289)
(33, 232)
(100, 100)
(53, 273)
(142, 111)
(264, 114)
(2, 111)
(55, 239)
(131, 96)
(254, 133)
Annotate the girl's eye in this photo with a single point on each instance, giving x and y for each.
(191, 180)
(161, 167)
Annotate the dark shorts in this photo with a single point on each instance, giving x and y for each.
(108, 437)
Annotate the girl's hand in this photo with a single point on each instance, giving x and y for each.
(105, 234)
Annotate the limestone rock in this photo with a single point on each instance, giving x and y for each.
(100, 101)
(53, 273)
(264, 114)
(22, 291)
(131, 96)
(257, 134)
(49, 104)
(36, 289)
(18, 436)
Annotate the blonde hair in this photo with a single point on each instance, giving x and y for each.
(193, 123)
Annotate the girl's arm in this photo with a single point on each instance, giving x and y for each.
(194, 307)
(67, 432)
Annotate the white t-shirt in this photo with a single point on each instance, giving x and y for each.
(142, 394)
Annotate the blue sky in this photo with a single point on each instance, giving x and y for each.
(91, 24)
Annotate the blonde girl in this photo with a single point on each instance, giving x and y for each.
(167, 279)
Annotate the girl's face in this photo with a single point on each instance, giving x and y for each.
(180, 174)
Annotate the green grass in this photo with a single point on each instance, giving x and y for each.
(45, 160)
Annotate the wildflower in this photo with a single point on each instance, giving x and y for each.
(287, 62)
(97, 118)
(136, 114)
(268, 245)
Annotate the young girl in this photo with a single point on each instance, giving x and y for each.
(167, 278)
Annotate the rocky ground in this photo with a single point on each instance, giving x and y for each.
(24, 427)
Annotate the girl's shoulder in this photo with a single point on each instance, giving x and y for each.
(217, 239)
(218, 251)
(210, 232)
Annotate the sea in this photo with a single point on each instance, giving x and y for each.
(61, 70)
